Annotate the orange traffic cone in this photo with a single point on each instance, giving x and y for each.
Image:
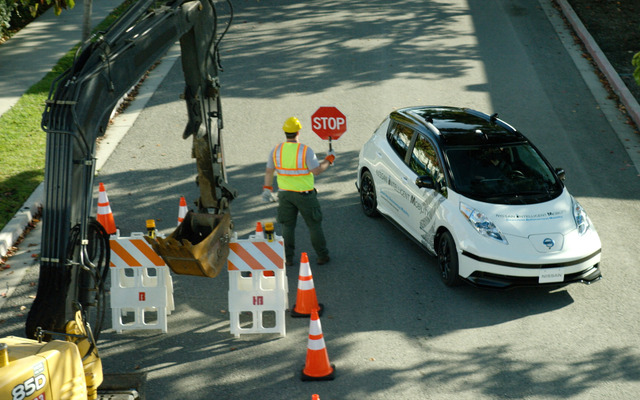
(105, 216)
(306, 299)
(259, 231)
(315, 397)
(182, 210)
(317, 366)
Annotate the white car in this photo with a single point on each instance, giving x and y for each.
(476, 193)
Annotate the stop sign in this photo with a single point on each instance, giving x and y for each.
(328, 123)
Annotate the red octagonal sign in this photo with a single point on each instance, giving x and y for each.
(328, 123)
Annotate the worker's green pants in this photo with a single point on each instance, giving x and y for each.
(289, 204)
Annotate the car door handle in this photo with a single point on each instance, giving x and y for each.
(378, 154)
(405, 179)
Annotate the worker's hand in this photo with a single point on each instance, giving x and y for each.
(267, 195)
(331, 156)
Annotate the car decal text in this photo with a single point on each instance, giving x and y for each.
(532, 217)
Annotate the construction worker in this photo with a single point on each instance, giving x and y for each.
(296, 165)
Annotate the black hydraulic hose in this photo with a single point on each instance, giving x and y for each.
(226, 29)
(127, 20)
(96, 264)
(211, 47)
(102, 269)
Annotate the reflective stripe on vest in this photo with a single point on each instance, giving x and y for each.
(290, 163)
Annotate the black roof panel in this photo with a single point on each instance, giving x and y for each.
(463, 127)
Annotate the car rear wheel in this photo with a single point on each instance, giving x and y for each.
(368, 195)
(448, 260)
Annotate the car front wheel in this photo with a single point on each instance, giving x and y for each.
(368, 195)
(448, 260)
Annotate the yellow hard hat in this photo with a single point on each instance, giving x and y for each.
(292, 125)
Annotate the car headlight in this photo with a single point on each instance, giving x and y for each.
(580, 215)
(482, 224)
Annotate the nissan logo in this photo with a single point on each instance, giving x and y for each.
(549, 243)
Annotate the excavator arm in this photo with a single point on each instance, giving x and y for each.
(74, 257)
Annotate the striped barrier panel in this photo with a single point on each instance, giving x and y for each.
(141, 285)
(257, 285)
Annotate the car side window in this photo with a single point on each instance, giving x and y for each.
(424, 160)
(399, 138)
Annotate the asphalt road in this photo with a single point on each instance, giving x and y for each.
(392, 329)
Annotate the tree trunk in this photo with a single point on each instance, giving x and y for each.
(86, 20)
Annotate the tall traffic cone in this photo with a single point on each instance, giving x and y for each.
(259, 231)
(182, 211)
(306, 299)
(105, 216)
(317, 366)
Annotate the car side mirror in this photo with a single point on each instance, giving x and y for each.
(427, 182)
(561, 174)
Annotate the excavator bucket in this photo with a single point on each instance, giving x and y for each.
(199, 246)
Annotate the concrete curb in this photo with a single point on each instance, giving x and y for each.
(18, 224)
(23, 259)
(618, 86)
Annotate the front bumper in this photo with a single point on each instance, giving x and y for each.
(498, 274)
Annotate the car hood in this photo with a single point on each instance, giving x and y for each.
(553, 216)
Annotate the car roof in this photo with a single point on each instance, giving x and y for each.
(455, 126)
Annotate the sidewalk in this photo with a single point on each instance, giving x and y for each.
(24, 60)
(27, 57)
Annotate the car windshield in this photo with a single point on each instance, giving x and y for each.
(514, 174)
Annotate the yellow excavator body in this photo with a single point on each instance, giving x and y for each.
(54, 370)
(49, 370)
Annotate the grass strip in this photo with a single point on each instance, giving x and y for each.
(22, 140)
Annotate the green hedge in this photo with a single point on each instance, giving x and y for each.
(14, 14)
(6, 11)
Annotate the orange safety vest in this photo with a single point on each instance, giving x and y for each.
(290, 161)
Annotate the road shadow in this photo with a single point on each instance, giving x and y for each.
(319, 48)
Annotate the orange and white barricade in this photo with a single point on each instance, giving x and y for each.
(257, 285)
(141, 285)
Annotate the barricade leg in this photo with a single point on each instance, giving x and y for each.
(140, 301)
(263, 297)
(141, 285)
(257, 285)
(169, 281)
